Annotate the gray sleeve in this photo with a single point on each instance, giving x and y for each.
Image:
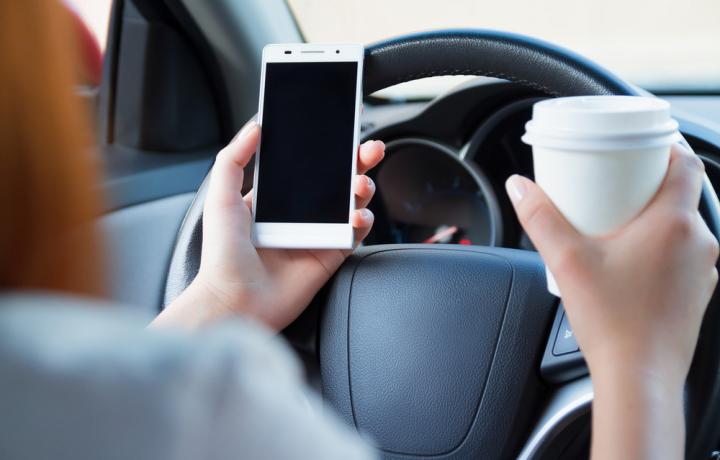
(87, 384)
(265, 412)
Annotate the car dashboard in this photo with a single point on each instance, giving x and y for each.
(442, 180)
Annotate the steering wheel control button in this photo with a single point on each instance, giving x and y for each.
(562, 361)
(565, 341)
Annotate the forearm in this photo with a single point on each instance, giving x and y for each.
(637, 415)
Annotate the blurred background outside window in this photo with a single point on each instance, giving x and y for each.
(96, 16)
(662, 45)
(91, 23)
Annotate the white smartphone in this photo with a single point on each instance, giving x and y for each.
(310, 99)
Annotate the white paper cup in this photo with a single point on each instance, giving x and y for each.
(600, 159)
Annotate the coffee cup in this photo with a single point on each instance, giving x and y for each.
(600, 159)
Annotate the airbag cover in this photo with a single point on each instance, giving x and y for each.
(420, 344)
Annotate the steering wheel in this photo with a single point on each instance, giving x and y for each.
(435, 350)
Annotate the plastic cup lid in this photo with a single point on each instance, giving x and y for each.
(601, 123)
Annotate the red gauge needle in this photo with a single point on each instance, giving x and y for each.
(442, 234)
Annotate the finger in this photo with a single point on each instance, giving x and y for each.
(683, 181)
(242, 147)
(553, 236)
(364, 188)
(249, 198)
(227, 175)
(371, 153)
(362, 221)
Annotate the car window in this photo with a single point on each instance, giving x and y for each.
(96, 15)
(663, 45)
(90, 21)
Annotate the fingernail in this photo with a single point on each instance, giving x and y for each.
(370, 182)
(684, 146)
(382, 144)
(516, 188)
(365, 214)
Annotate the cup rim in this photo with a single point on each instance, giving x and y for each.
(631, 122)
(607, 104)
(601, 142)
(539, 131)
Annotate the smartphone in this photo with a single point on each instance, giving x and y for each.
(310, 99)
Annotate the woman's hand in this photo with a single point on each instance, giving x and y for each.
(271, 285)
(636, 300)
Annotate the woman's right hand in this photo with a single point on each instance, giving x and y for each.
(635, 298)
(270, 285)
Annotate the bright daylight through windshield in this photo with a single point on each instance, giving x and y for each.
(654, 43)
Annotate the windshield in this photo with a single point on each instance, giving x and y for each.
(661, 45)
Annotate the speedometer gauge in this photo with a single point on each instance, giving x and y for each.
(427, 194)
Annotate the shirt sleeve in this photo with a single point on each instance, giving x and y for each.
(82, 383)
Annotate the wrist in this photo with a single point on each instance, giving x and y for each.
(224, 299)
(655, 367)
(201, 304)
(637, 413)
(637, 381)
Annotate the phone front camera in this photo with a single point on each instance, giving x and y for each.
(337, 51)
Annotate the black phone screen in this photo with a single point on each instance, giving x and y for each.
(306, 150)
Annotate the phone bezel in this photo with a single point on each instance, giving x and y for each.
(309, 235)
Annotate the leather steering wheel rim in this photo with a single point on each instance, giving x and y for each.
(535, 64)
(524, 60)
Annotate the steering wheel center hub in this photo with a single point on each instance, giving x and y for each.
(399, 344)
(412, 355)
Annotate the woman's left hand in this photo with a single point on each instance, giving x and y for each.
(272, 285)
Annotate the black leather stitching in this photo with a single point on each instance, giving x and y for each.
(505, 76)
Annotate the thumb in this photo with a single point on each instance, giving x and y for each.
(226, 180)
(553, 236)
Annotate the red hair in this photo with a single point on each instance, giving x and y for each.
(49, 198)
